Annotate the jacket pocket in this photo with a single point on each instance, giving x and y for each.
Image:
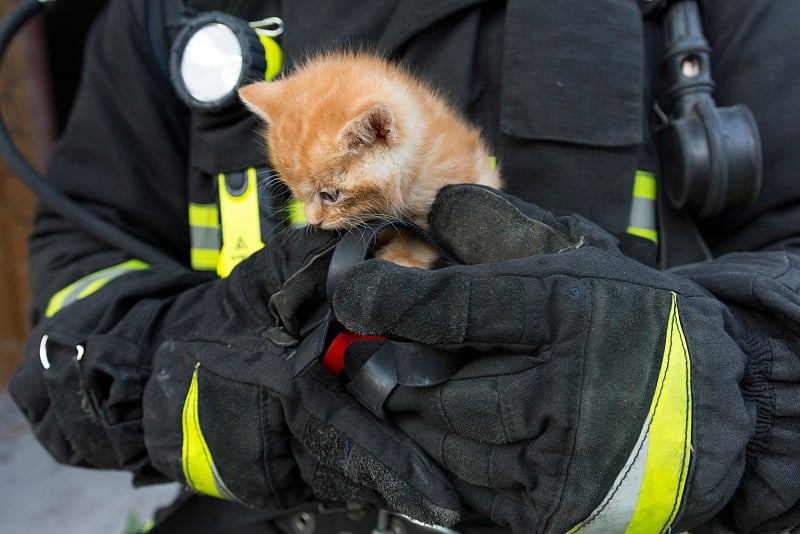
(573, 72)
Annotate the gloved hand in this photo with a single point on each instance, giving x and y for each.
(228, 411)
(605, 395)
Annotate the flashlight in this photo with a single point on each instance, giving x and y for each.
(215, 53)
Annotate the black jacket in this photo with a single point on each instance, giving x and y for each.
(559, 91)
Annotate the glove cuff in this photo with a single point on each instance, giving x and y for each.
(217, 430)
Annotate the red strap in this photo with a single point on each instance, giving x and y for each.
(333, 360)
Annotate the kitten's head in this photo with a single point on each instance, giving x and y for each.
(337, 138)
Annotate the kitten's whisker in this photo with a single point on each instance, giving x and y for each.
(271, 187)
(267, 193)
(269, 172)
(267, 175)
(271, 181)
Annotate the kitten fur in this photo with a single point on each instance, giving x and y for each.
(356, 138)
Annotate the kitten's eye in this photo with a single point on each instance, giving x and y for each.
(329, 197)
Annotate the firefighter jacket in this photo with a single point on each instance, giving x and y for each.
(563, 93)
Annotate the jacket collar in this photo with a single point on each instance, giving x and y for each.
(409, 18)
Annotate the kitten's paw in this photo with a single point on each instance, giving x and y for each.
(408, 252)
(406, 261)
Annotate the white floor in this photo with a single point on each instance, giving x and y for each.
(39, 495)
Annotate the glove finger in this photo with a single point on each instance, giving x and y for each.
(287, 276)
(499, 481)
(496, 400)
(512, 509)
(507, 227)
(294, 248)
(500, 307)
(504, 466)
(297, 272)
(344, 437)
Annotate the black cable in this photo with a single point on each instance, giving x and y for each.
(47, 194)
(711, 156)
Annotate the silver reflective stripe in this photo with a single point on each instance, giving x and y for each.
(616, 511)
(643, 222)
(205, 237)
(643, 213)
(221, 487)
(89, 284)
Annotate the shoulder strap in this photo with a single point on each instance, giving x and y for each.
(163, 20)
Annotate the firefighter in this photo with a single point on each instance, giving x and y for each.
(630, 356)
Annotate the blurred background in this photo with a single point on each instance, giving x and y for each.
(38, 78)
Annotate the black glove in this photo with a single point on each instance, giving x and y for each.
(251, 416)
(224, 407)
(605, 394)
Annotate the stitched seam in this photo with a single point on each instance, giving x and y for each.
(686, 435)
(462, 337)
(443, 414)
(266, 441)
(563, 483)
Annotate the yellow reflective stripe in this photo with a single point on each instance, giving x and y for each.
(274, 56)
(644, 185)
(647, 493)
(646, 233)
(670, 435)
(297, 212)
(642, 221)
(90, 284)
(205, 236)
(204, 260)
(92, 287)
(203, 215)
(241, 223)
(493, 162)
(198, 464)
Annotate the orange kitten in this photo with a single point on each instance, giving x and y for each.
(356, 139)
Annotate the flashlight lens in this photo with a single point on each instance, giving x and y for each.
(212, 63)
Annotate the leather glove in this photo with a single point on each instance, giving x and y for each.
(252, 425)
(198, 381)
(597, 394)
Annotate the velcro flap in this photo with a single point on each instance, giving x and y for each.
(573, 71)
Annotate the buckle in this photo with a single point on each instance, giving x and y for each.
(43, 352)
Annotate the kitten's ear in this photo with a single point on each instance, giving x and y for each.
(263, 98)
(375, 125)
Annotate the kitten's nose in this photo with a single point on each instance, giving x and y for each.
(313, 216)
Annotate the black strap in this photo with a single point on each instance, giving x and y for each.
(640, 249)
(162, 19)
(389, 363)
(355, 247)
